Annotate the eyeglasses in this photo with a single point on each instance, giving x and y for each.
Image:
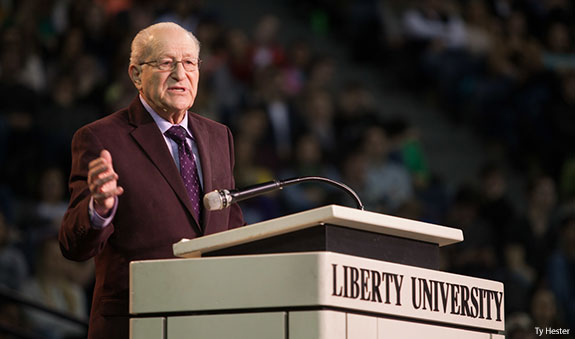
(189, 64)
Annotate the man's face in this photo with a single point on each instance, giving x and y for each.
(173, 91)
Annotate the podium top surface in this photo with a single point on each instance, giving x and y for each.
(333, 215)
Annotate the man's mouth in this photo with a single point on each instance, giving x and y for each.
(177, 89)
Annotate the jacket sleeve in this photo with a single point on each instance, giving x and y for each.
(79, 241)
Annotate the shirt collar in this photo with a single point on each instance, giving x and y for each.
(162, 123)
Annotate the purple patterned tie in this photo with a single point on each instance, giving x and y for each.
(188, 168)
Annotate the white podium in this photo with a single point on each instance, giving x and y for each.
(332, 272)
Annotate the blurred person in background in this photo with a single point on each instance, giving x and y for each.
(266, 51)
(355, 110)
(437, 34)
(518, 276)
(296, 66)
(255, 159)
(496, 209)
(249, 172)
(185, 13)
(117, 214)
(321, 76)
(239, 56)
(407, 150)
(388, 183)
(353, 167)
(65, 112)
(561, 269)
(285, 122)
(561, 114)
(308, 160)
(12, 318)
(13, 265)
(253, 127)
(53, 285)
(544, 311)
(559, 53)
(52, 204)
(42, 215)
(19, 103)
(475, 256)
(536, 229)
(519, 326)
(318, 115)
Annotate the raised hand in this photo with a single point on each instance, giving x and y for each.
(103, 183)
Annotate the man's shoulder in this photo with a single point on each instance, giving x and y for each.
(117, 118)
(207, 122)
(110, 127)
(113, 120)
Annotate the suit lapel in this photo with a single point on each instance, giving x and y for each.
(203, 140)
(148, 136)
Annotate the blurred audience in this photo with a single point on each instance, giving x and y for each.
(505, 69)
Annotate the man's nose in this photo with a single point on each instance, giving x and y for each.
(178, 72)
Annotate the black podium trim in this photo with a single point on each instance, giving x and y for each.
(343, 240)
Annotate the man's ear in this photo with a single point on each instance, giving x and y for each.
(135, 73)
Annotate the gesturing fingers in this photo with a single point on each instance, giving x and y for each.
(103, 181)
(96, 171)
(97, 184)
(108, 194)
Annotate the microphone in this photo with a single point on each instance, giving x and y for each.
(220, 199)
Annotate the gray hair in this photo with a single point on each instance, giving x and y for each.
(144, 42)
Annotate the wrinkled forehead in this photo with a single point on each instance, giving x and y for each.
(172, 43)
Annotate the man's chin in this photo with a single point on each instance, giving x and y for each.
(178, 106)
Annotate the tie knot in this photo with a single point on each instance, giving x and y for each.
(177, 133)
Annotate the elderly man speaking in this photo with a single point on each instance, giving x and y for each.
(138, 175)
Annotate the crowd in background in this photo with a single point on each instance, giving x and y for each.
(505, 70)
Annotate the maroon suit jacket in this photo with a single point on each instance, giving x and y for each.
(153, 213)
